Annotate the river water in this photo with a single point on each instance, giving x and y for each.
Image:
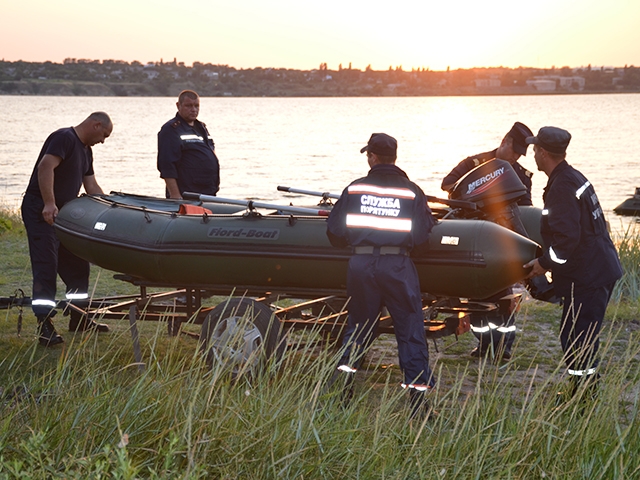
(314, 143)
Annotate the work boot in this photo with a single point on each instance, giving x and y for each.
(479, 351)
(419, 404)
(506, 354)
(342, 382)
(80, 323)
(47, 335)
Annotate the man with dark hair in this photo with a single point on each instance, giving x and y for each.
(383, 217)
(496, 332)
(64, 165)
(577, 250)
(186, 153)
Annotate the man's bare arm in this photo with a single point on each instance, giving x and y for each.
(46, 176)
(172, 187)
(91, 185)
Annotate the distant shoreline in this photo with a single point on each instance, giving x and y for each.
(90, 89)
(111, 78)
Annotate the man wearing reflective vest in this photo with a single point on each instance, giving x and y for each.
(187, 160)
(578, 251)
(383, 217)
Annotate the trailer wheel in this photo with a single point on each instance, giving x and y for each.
(240, 334)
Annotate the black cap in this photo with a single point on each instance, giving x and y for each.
(519, 132)
(552, 139)
(381, 144)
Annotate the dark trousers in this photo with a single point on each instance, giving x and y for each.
(49, 258)
(494, 330)
(390, 281)
(582, 316)
(497, 331)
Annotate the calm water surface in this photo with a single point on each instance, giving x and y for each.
(314, 143)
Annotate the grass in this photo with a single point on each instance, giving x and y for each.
(85, 410)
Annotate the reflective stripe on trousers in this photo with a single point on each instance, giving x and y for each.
(493, 326)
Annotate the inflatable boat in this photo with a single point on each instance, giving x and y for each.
(158, 241)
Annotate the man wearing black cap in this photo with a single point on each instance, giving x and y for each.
(496, 332)
(384, 216)
(512, 147)
(578, 251)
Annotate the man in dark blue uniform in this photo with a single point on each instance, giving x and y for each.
(497, 332)
(512, 147)
(383, 217)
(64, 165)
(578, 251)
(186, 153)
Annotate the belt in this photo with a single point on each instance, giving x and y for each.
(384, 250)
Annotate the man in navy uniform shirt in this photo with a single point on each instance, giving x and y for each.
(512, 147)
(64, 165)
(186, 153)
(577, 249)
(384, 216)
(497, 332)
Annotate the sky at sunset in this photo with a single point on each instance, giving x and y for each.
(301, 35)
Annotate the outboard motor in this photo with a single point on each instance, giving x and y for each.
(495, 188)
(492, 186)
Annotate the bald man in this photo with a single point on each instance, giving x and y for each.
(64, 165)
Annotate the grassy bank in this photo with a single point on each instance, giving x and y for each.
(87, 411)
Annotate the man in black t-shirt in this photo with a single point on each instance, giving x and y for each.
(187, 159)
(64, 165)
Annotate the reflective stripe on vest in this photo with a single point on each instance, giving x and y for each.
(386, 191)
(191, 137)
(379, 223)
(555, 257)
(581, 190)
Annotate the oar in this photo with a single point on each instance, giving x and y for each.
(325, 195)
(252, 204)
(313, 193)
(453, 203)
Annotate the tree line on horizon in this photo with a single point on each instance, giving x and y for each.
(121, 78)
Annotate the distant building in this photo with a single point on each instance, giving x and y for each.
(549, 83)
(210, 74)
(487, 82)
(542, 85)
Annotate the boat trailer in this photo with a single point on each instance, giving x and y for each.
(253, 318)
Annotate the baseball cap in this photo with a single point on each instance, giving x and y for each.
(519, 132)
(381, 144)
(552, 139)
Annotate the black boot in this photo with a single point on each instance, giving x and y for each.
(47, 335)
(79, 322)
(419, 404)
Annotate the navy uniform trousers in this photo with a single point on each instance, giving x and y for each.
(582, 316)
(48, 259)
(495, 330)
(374, 281)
